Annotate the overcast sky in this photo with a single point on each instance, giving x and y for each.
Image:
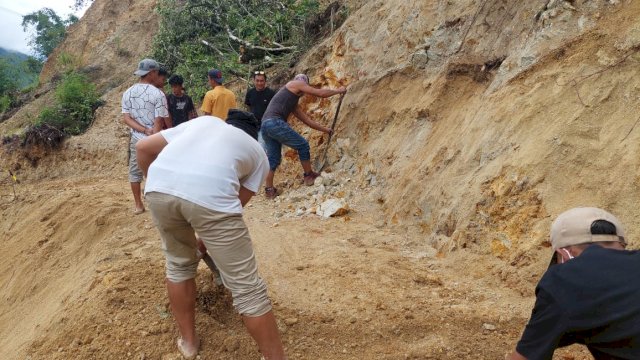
(11, 12)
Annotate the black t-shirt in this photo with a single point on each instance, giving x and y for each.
(257, 101)
(180, 108)
(593, 300)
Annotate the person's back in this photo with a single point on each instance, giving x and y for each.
(281, 105)
(595, 300)
(219, 100)
(205, 161)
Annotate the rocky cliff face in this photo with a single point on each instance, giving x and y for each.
(476, 122)
(467, 125)
(108, 42)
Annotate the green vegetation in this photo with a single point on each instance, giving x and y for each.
(49, 29)
(76, 101)
(235, 36)
(17, 73)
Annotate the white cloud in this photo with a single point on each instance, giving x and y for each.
(11, 34)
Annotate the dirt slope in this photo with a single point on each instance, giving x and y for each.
(467, 127)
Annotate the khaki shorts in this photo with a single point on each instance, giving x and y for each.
(135, 174)
(227, 240)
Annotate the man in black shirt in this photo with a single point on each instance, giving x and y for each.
(259, 97)
(589, 295)
(181, 107)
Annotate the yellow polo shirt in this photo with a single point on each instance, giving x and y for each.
(218, 101)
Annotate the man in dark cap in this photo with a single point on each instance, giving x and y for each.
(219, 99)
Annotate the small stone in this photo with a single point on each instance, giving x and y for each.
(419, 59)
(318, 181)
(489, 327)
(300, 267)
(100, 220)
(231, 344)
(291, 321)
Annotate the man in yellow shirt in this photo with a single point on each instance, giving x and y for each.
(219, 100)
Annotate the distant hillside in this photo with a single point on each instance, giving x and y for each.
(25, 67)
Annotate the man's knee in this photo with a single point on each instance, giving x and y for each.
(179, 272)
(253, 301)
(304, 151)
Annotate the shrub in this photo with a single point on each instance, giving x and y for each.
(76, 102)
(5, 103)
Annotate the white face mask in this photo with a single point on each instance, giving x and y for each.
(568, 255)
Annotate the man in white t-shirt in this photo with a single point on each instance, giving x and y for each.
(200, 175)
(143, 106)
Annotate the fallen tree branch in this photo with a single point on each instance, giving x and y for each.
(212, 47)
(255, 47)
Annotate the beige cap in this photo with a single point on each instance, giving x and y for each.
(573, 227)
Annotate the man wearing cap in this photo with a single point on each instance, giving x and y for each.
(219, 100)
(200, 175)
(144, 107)
(589, 295)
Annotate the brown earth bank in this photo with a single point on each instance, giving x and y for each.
(467, 127)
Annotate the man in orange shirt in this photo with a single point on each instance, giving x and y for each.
(219, 100)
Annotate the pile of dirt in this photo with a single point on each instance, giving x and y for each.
(467, 127)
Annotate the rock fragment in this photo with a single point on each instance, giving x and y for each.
(332, 208)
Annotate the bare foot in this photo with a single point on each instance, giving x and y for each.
(189, 352)
(138, 211)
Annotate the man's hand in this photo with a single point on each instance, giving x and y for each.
(245, 195)
(328, 131)
(341, 90)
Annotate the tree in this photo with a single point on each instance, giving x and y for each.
(235, 36)
(8, 78)
(50, 30)
(79, 4)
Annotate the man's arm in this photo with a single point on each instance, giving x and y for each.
(130, 122)
(148, 149)
(301, 86)
(168, 122)
(207, 104)
(192, 110)
(307, 120)
(247, 101)
(245, 195)
(545, 328)
(157, 124)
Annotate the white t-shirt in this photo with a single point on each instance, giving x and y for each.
(206, 161)
(144, 103)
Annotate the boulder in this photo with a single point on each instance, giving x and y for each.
(333, 207)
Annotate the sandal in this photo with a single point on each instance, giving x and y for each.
(271, 192)
(310, 178)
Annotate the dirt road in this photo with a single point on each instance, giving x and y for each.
(83, 279)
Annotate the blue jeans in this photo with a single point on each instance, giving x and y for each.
(276, 132)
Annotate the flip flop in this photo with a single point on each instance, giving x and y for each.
(186, 354)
